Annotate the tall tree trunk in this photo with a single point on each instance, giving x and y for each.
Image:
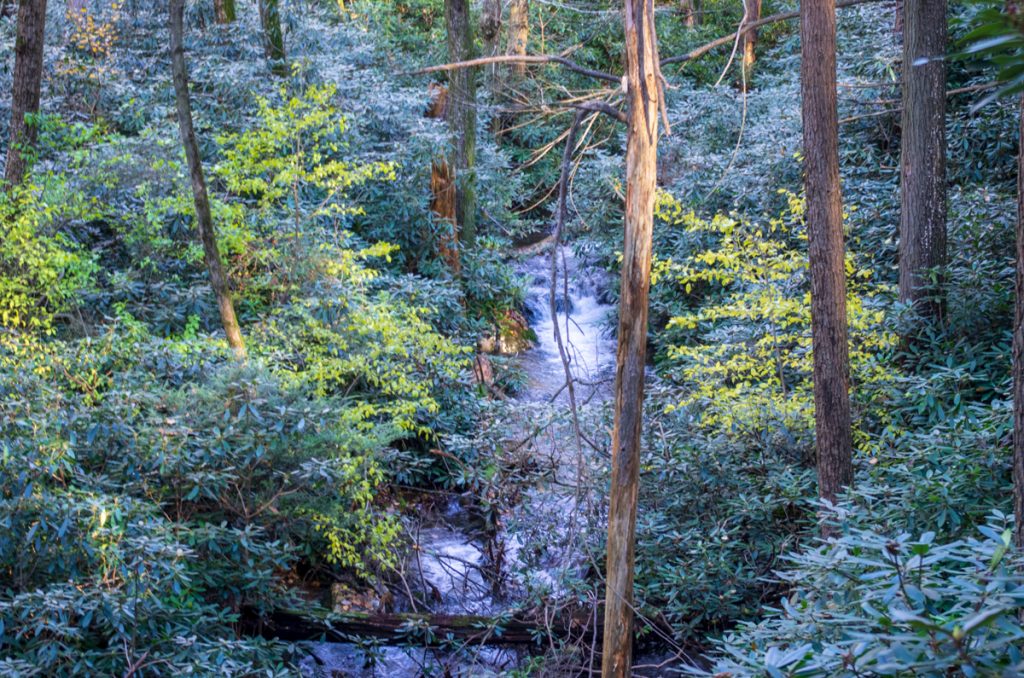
(1018, 349)
(28, 80)
(644, 98)
(225, 11)
(273, 36)
(490, 34)
(518, 34)
(688, 8)
(204, 220)
(752, 9)
(826, 249)
(462, 116)
(923, 154)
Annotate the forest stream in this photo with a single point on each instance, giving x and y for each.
(449, 560)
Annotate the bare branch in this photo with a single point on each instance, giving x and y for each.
(601, 107)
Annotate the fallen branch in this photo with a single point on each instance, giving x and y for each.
(949, 93)
(899, 109)
(415, 629)
(526, 58)
(753, 25)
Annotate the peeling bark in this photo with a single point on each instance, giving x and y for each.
(752, 9)
(644, 99)
(688, 8)
(518, 34)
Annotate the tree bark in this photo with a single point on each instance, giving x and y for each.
(1018, 349)
(923, 155)
(688, 8)
(462, 116)
(225, 11)
(752, 10)
(833, 435)
(490, 34)
(644, 98)
(518, 34)
(442, 189)
(204, 220)
(28, 81)
(273, 36)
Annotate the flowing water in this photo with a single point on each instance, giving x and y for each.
(448, 566)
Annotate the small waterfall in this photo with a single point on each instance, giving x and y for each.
(583, 319)
(446, 563)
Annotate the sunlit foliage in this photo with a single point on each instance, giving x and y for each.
(747, 358)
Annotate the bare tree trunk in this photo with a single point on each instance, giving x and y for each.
(462, 116)
(688, 8)
(923, 155)
(273, 36)
(752, 9)
(897, 24)
(204, 220)
(518, 34)
(826, 249)
(1018, 350)
(28, 81)
(644, 98)
(225, 11)
(490, 34)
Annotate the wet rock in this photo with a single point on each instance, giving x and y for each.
(346, 599)
(512, 335)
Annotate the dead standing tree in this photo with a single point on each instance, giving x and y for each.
(645, 99)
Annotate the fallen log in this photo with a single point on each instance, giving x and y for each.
(417, 629)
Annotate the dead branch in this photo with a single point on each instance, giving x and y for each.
(728, 39)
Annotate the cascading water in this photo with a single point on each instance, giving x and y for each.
(448, 562)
